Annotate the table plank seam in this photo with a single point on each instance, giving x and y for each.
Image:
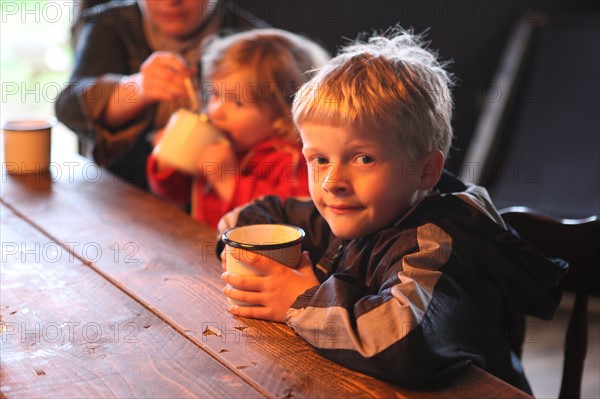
(145, 305)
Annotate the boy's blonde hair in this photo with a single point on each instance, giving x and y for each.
(390, 84)
(278, 62)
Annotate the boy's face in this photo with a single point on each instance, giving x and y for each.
(359, 181)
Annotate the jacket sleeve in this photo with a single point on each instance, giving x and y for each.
(100, 63)
(408, 323)
(170, 183)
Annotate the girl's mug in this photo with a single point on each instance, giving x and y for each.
(187, 133)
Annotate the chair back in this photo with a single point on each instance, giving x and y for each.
(578, 242)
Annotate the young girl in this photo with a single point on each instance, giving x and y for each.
(249, 82)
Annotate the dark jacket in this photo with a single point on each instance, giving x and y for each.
(443, 286)
(111, 44)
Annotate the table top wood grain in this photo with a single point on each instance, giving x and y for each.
(153, 265)
(68, 332)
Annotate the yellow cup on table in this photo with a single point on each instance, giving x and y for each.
(27, 145)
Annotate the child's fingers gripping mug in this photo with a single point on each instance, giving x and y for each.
(27, 145)
(185, 135)
(280, 242)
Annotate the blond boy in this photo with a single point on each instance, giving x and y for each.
(408, 275)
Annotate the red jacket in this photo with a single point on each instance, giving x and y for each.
(273, 167)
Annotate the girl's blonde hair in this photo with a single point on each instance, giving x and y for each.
(278, 62)
(390, 84)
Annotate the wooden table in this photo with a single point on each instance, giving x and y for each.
(109, 292)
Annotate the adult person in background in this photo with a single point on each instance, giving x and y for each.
(263, 153)
(131, 62)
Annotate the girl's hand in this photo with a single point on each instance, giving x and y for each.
(274, 292)
(160, 166)
(218, 165)
(158, 137)
(161, 78)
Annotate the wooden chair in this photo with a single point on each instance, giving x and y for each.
(577, 241)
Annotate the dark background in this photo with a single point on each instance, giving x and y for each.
(547, 150)
(548, 155)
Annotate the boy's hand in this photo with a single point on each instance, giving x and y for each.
(274, 292)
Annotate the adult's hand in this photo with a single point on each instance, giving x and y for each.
(161, 78)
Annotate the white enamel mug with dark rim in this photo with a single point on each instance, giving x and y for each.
(279, 242)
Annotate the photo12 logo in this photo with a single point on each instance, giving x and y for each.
(39, 11)
(68, 332)
(89, 252)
